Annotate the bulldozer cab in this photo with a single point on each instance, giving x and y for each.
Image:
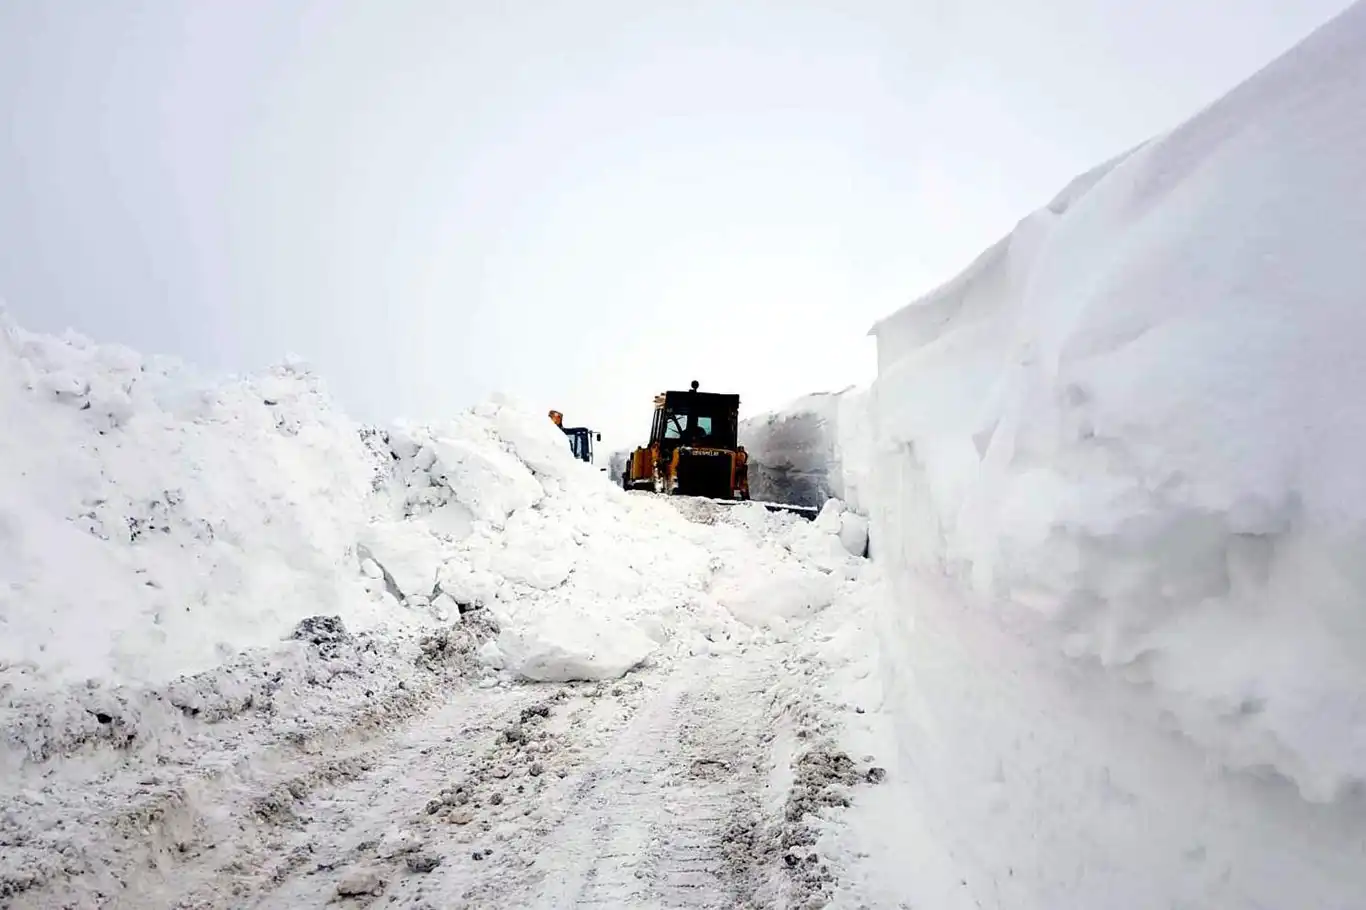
(693, 418)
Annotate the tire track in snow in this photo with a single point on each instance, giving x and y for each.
(648, 828)
(637, 791)
(294, 861)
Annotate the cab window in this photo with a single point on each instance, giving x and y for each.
(674, 424)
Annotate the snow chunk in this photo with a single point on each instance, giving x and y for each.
(491, 483)
(561, 648)
(536, 551)
(406, 552)
(853, 533)
(467, 585)
(452, 520)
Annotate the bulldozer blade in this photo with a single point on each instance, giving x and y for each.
(807, 512)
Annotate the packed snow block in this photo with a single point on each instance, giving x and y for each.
(572, 644)
(536, 551)
(1136, 418)
(544, 570)
(827, 520)
(491, 483)
(407, 554)
(820, 542)
(824, 551)
(451, 520)
(467, 585)
(853, 533)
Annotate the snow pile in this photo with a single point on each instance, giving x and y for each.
(1132, 430)
(153, 523)
(156, 524)
(806, 565)
(490, 510)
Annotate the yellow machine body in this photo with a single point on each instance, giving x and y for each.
(693, 448)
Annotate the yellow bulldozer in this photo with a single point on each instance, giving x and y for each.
(694, 448)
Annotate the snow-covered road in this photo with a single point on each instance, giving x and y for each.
(649, 821)
(312, 663)
(674, 787)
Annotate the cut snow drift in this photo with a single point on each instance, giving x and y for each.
(813, 450)
(1137, 416)
(793, 452)
(1133, 429)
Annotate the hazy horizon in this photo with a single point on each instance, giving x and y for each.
(581, 207)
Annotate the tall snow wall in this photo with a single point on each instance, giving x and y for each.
(1130, 436)
(811, 450)
(793, 452)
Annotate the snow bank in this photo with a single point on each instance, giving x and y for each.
(153, 523)
(1132, 430)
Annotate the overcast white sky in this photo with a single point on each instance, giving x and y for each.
(581, 203)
